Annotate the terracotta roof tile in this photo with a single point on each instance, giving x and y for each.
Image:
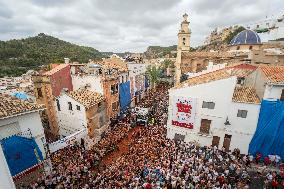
(55, 69)
(205, 78)
(114, 63)
(241, 70)
(86, 97)
(275, 74)
(10, 106)
(245, 95)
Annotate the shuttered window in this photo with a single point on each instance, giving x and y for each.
(242, 113)
(208, 105)
(205, 126)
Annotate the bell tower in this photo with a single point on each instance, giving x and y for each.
(184, 35)
(183, 45)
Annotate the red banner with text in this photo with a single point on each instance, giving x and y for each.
(183, 112)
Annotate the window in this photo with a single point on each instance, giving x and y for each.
(250, 47)
(78, 107)
(242, 113)
(114, 89)
(282, 95)
(58, 105)
(101, 121)
(114, 106)
(69, 105)
(99, 104)
(39, 92)
(240, 81)
(209, 105)
(183, 41)
(205, 126)
(238, 47)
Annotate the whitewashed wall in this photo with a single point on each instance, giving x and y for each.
(79, 81)
(30, 121)
(242, 129)
(70, 121)
(273, 91)
(136, 68)
(6, 181)
(220, 92)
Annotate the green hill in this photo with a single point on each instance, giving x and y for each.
(158, 51)
(18, 56)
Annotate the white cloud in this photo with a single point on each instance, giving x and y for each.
(126, 25)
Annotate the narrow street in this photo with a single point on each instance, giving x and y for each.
(123, 148)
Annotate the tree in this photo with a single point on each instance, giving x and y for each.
(183, 78)
(166, 63)
(153, 74)
(233, 34)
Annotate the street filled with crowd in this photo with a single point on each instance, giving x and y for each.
(148, 160)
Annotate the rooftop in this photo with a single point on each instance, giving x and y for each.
(244, 94)
(274, 74)
(205, 78)
(10, 106)
(116, 63)
(86, 97)
(240, 70)
(55, 69)
(246, 37)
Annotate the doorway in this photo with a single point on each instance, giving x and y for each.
(227, 142)
(215, 141)
(179, 137)
(205, 126)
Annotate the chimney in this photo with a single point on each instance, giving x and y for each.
(66, 60)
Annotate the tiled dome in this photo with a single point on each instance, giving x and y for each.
(246, 37)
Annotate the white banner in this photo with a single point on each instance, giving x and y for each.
(183, 112)
(69, 140)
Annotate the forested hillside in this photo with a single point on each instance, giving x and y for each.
(18, 56)
(158, 51)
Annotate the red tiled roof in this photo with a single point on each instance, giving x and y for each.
(56, 69)
(245, 95)
(205, 78)
(86, 97)
(10, 106)
(275, 74)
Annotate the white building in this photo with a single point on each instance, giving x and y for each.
(5, 175)
(87, 81)
(268, 82)
(81, 109)
(137, 79)
(90, 78)
(221, 111)
(19, 118)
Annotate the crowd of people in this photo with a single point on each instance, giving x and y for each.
(153, 161)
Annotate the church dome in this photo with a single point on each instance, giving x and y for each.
(246, 37)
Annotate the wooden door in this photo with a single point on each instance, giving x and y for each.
(179, 137)
(205, 126)
(227, 142)
(215, 141)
